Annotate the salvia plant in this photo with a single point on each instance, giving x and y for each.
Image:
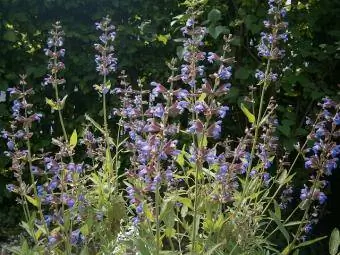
(188, 187)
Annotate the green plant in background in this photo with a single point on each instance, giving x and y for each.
(186, 187)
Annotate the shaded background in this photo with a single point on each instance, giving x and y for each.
(144, 43)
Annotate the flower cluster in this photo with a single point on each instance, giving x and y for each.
(269, 43)
(323, 156)
(105, 60)
(55, 53)
(16, 140)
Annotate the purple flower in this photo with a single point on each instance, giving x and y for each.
(196, 127)
(212, 57)
(181, 105)
(330, 166)
(336, 119)
(308, 163)
(169, 174)
(225, 73)
(308, 228)
(158, 111)
(190, 22)
(139, 209)
(76, 237)
(335, 151)
(199, 107)
(266, 178)
(10, 145)
(211, 157)
(259, 75)
(220, 176)
(79, 168)
(48, 219)
(266, 23)
(304, 193)
(215, 130)
(71, 167)
(10, 187)
(181, 93)
(222, 111)
(52, 240)
(322, 198)
(155, 182)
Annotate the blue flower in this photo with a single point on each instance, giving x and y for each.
(225, 73)
(199, 107)
(336, 119)
(139, 209)
(259, 75)
(10, 187)
(10, 145)
(308, 163)
(212, 57)
(308, 228)
(330, 166)
(322, 197)
(304, 193)
(335, 151)
(222, 111)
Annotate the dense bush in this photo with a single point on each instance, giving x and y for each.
(168, 177)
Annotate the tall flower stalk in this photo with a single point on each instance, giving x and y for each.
(106, 64)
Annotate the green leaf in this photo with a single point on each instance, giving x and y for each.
(170, 232)
(108, 161)
(218, 30)
(84, 251)
(214, 248)
(62, 102)
(180, 157)
(292, 223)
(163, 38)
(94, 123)
(250, 116)
(280, 226)
(51, 103)
(74, 139)
(202, 97)
(242, 73)
(214, 15)
(38, 234)
(334, 242)
(285, 129)
(307, 243)
(277, 210)
(142, 247)
(282, 177)
(85, 230)
(32, 200)
(10, 36)
(108, 84)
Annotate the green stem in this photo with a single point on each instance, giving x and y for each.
(257, 127)
(158, 232)
(60, 114)
(29, 158)
(195, 212)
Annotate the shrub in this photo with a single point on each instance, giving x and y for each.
(188, 187)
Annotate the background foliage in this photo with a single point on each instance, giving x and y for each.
(143, 47)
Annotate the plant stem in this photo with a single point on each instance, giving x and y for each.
(158, 232)
(29, 159)
(193, 248)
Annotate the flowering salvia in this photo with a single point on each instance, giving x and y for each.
(187, 186)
